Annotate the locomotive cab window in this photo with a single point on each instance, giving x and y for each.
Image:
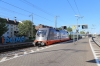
(41, 33)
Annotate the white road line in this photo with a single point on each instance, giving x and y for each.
(37, 49)
(25, 53)
(42, 48)
(3, 59)
(32, 51)
(97, 60)
(46, 47)
(97, 53)
(16, 55)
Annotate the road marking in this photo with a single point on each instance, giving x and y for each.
(37, 49)
(25, 53)
(16, 55)
(42, 48)
(32, 51)
(3, 59)
(97, 53)
(97, 60)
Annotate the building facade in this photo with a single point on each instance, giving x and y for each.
(12, 26)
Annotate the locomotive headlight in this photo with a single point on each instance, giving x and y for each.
(42, 43)
(34, 43)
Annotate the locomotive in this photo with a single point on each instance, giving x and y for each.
(47, 36)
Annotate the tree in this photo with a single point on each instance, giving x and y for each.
(34, 31)
(25, 27)
(82, 32)
(69, 29)
(3, 27)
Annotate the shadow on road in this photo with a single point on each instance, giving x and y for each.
(91, 61)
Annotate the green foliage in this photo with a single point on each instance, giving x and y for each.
(34, 31)
(82, 32)
(3, 27)
(25, 27)
(69, 29)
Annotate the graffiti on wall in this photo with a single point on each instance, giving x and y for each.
(13, 40)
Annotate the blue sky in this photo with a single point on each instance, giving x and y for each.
(48, 9)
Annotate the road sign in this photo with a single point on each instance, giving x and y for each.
(84, 27)
(73, 27)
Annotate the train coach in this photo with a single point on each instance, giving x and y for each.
(73, 35)
(47, 36)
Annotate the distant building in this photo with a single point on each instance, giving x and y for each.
(12, 28)
(41, 26)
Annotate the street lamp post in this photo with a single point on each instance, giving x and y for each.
(32, 24)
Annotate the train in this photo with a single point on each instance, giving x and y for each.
(74, 35)
(48, 36)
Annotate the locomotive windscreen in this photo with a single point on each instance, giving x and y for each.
(41, 33)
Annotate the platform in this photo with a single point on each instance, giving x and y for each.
(63, 54)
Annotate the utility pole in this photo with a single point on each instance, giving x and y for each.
(77, 25)
(32, 24)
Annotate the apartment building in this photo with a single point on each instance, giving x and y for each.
(12, 28)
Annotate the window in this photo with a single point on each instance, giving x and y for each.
(41, 33)
(7, 25)
(11, 29)
(11, 25)
(7, 32)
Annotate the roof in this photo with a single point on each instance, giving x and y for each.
(11, 21)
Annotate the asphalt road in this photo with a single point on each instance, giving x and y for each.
(61, 54)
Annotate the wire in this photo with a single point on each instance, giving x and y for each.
(71, 6)
(34, 6)
(24, 10)
(5, 9)
(76, 6)
(12, 11)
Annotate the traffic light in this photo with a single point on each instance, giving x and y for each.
(84, 27)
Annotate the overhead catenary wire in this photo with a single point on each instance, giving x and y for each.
(71, 6)
(24, 10)
(77, 7)
(6, 9)
(34, 6)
